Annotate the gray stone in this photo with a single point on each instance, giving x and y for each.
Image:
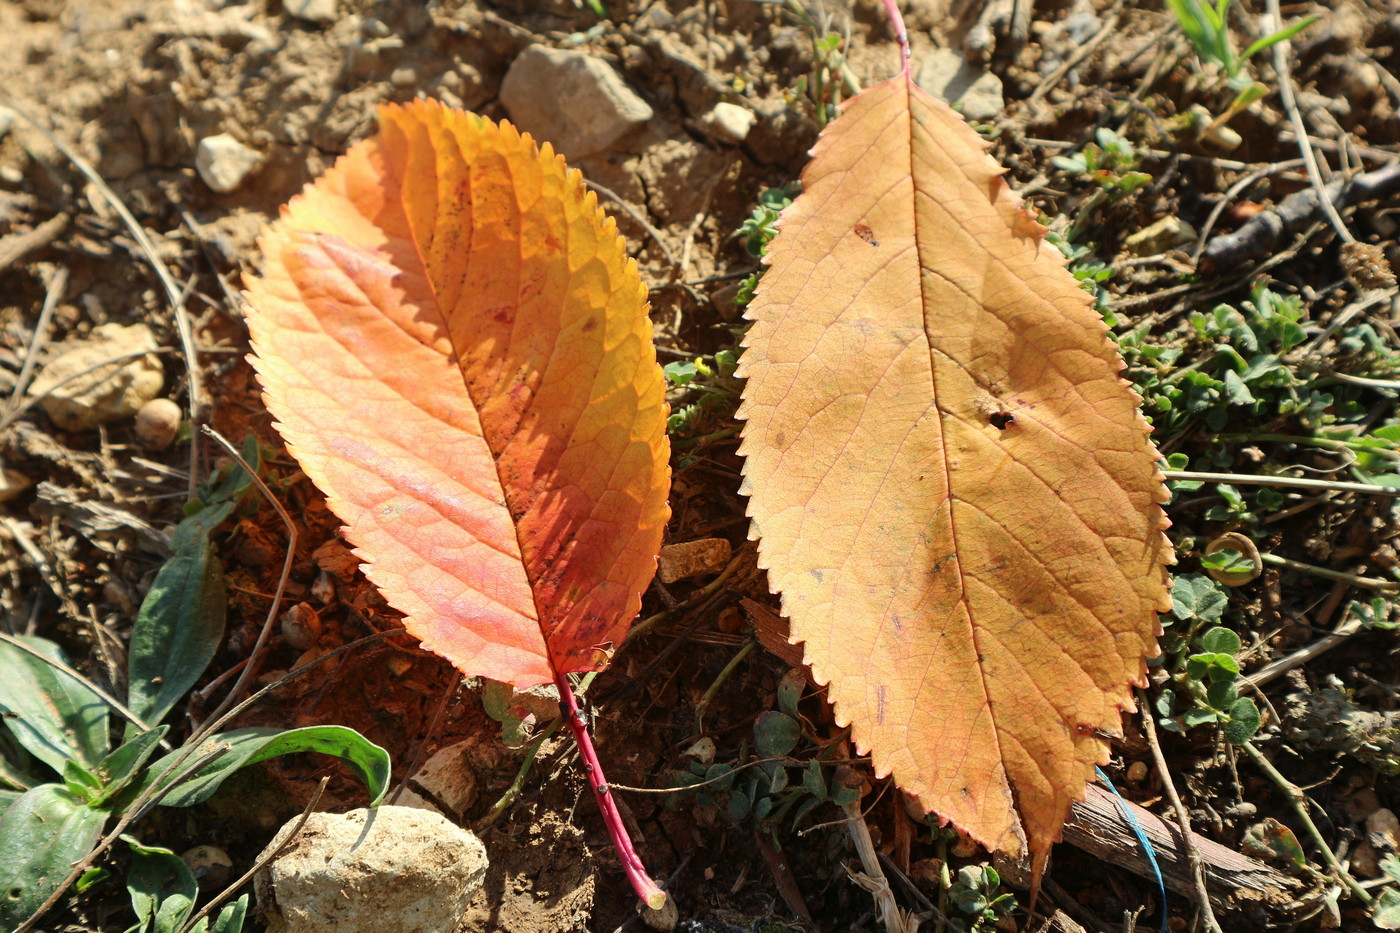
(729, 123)
(945, 74)
(313, 11)
(225, 163)
(394, 868)
(574, 101)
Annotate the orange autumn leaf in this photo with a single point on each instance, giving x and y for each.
(455, 346)
(953, 489)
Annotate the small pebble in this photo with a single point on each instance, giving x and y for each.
(224, 163)
(210, 866)
(12, 483)
(158, 423)
(729, 123)
(313, 11)
(1137, 772)
(301, 626)
(1383, 830)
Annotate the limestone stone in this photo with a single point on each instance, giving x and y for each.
(224, 163)
(945, 74)
(574, 101)
(98, 379)
(393, 868)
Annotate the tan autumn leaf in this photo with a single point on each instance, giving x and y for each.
(953, 489)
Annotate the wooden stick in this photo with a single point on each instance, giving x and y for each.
(1097, 827)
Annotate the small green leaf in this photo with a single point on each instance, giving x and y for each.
(775, 734)
(230, 919)
(739, 805)
(54, 716)
(41, 835)
(1221, 640)
(181, 621)
(813, 779)
(1221, 696)
(725, 775)
(243, 747)
(1271, 839)
(681, 373)
(843, 794)
(81, 782)
(1197, 596)
(790, 689)
(1386, 914)
(161, 886)
(91, 879)
(117, 769)
(1199, 717)
(1244, 722)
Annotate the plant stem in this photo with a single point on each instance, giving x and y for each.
(642, 883)
(1328, 443)
(1299, 802)
(900, 34)
(1369, 583)
(713, 690)
(1247, 479)
(513, 791)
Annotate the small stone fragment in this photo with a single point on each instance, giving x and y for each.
(1137, 772)
(210, 866)
(301, 626)
(703, 750)
(1383, 830)
(945, 74)
(393, 868)
(158, 422)
(1365, 860)
(574, 101)
(729, 123)
(693, 558)
(1361, 804)
(224, 163)
(12, 483)
(313, 11)
(1158, 237)
(97, 380)
(449, 779)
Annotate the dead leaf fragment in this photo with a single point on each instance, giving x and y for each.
(953, 490)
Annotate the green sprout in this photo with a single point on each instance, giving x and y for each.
(1207, 26)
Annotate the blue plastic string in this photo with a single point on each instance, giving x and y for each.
(1142, 841)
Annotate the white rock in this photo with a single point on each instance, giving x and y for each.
(12, 483)
(225, 163)
(1167, 233)
(729, 123)
(410, 871)
(572, 100)
(313, 11)
(96, 380)
(945, 74)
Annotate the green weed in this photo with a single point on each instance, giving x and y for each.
(62, 779)
(1207, 26)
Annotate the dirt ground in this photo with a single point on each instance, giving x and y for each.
(133, 87)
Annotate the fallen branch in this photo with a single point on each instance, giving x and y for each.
(1098, 827)
(1265, 230)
